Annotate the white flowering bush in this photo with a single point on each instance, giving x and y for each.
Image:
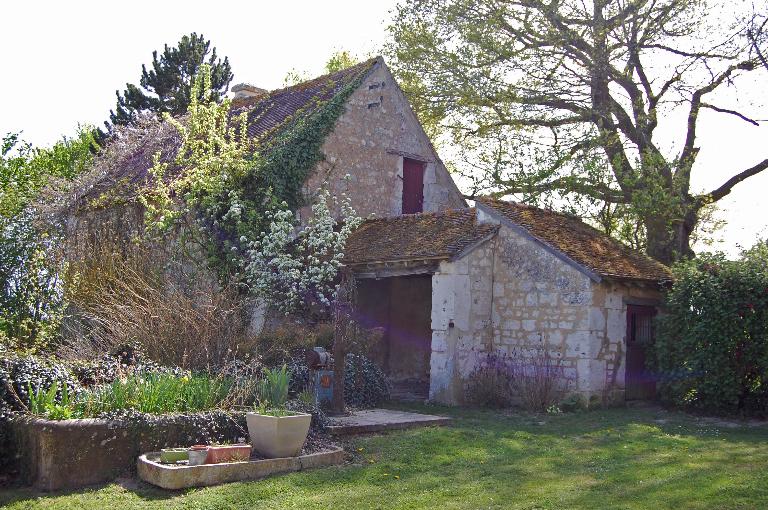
(300, 271)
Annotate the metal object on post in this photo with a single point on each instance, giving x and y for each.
(319, 362)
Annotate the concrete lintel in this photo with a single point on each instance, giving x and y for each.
(415, 157)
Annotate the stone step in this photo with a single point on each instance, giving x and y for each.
(378, 420)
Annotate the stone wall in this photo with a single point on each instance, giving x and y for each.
(369, 142)
(461, 321)
(542, 303)
(66, 454)
(609, 303)
(513, 295)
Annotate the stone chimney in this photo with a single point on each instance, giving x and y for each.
(245, 90)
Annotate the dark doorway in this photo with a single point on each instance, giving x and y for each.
(402, 306)
(640, 383)
(413, 186)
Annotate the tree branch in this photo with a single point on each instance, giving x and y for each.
(689, 151)
(730, 112)
(728, 185)
(566, 184)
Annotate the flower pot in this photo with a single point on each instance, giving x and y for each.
(278, 436)
(197, 455)
(228, 453)
(173, 455)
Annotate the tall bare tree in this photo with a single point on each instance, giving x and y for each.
(563, 99)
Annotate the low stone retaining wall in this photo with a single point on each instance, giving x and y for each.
(66, 454)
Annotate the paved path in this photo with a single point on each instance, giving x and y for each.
(375, 420)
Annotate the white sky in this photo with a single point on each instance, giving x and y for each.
(63, 61)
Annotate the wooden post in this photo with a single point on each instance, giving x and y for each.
(342, 314)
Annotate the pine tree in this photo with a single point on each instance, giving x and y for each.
(167, 86)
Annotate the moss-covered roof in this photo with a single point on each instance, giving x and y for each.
(580, 242)
(436, 235)
(268, 116)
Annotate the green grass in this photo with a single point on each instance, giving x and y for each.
(618, 458)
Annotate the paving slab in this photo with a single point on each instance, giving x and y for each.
(169, 476)
(377, 420)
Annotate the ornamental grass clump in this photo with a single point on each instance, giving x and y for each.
(272, 391)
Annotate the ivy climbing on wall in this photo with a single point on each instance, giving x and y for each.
(229, 184)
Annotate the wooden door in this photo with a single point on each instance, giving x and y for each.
(413, 186)
(640, 382)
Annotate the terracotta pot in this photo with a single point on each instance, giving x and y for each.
(228, 453)
(278, 436)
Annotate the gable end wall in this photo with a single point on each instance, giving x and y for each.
(514, 296)
(370, 140)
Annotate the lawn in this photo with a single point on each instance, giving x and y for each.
(618, 458)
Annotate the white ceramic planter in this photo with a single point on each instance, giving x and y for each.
(278, 436)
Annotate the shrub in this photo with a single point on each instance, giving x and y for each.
(490, 384)
(539, 380)
(20, 374)
(178, 314)
(280, 344)
(124, 362)
(712, 344)
(365, 384)
(531, 378)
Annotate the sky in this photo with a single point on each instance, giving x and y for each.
(63, 61)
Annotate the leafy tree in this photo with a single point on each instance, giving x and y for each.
(560, 101)
(30, 287)
(167, 87)
(338, 60)
(303, 274)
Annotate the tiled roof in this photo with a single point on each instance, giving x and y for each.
(265, 113)
(439, 235)
(268, 115)
(580, 242)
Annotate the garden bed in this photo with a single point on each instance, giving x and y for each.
(177, 476)
(66, 454)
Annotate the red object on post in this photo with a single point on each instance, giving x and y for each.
(413, 186)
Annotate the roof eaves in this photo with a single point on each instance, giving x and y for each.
(595, 277)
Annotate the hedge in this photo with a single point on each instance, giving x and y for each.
(712, 343)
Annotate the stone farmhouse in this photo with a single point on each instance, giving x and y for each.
(449, 282)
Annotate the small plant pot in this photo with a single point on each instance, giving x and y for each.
(197, 455)
(228, 453)
(278, 436)
(173, 455)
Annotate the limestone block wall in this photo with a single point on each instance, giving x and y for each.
(370, 140)
(542, 303)
(461, 321)
(610, 302)
(514, 296)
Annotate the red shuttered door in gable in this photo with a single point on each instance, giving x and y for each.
(413, 186)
